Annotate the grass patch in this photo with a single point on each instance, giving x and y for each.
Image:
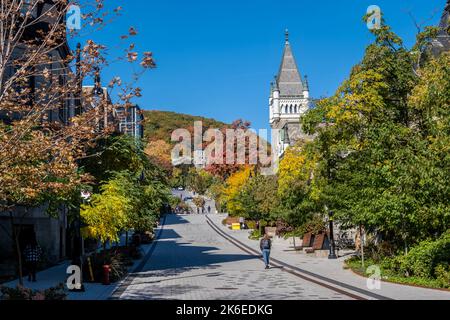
(255, 235)
(388, 275)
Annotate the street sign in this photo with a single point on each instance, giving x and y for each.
(86, 195)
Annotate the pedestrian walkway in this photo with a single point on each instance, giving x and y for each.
(191, 261)
(333, 269)
(56, 275)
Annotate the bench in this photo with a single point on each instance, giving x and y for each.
(318, 244)
(308, 240)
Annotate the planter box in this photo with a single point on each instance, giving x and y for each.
(236, 226)
(230, 220)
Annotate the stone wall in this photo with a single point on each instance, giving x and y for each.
(50, 232)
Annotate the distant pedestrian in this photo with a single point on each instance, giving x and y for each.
(32, 255)
(209, 209)
(266, 245)
(242, 222)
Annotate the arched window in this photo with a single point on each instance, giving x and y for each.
(290, 109)
(295, 109)
(286, 109)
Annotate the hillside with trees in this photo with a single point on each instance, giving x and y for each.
(159, 125)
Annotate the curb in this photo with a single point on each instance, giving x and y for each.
(128, 280)
(394, 282)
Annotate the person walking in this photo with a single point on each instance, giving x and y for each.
(266, 245)
(241, 222)
(32, 255)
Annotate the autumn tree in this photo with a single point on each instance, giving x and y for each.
(142, 201)
(159, 152)
(258, 197)
(299, 184)
(46, 126)
(233, 187)
(199, 181)
(107, 213)
(382, 142)
(240, 148)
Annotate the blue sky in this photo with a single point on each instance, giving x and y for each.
(216, 58)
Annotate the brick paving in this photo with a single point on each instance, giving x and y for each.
(333, 269)
(192, 262)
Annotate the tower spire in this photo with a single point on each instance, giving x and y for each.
(286, 35)
(289, 80)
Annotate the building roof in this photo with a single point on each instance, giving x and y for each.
(289, 81)
(444, 24)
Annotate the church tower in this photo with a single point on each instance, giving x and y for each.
(442, 41)
(289, 100)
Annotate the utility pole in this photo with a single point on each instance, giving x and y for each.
(332, 254)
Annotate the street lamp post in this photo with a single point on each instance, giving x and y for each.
(78, 259)
(332, 254)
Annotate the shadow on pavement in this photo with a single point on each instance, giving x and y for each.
(168, 234)
(174, 219)
(175, 255)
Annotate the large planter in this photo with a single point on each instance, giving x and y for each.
(270, 231)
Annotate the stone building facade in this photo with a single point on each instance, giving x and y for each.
(289, 100)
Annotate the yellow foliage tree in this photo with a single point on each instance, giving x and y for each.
(159, 152)
(292, 168)
(106, 214)
(233, 187)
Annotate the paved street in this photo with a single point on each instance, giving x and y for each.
(196, 257)
(192, 261)
(209, 203)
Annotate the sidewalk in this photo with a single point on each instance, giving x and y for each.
(56, 275)
(333, 269)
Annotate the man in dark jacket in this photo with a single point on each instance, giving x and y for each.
(266, 245)
(32, 255)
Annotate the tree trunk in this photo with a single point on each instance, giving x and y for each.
(362, 245)
(19, 260)
(15, 238)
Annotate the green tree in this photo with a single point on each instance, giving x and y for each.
(114, 154)
(382, 142)
(258, 197)
(199, 181)
(107, 212)
(300, 184)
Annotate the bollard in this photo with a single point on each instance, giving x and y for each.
(106, 271)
